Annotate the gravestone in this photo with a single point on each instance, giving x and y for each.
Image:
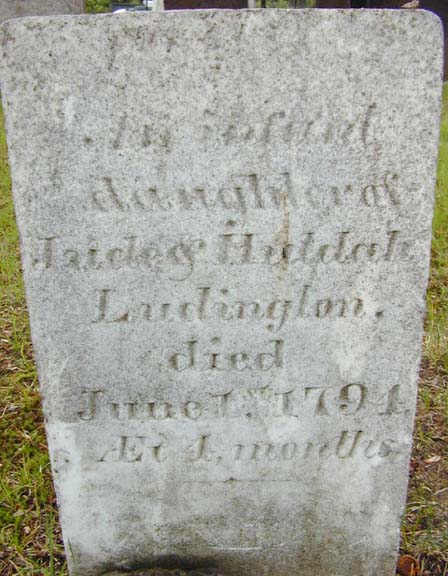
(225, 223)
(19, 8)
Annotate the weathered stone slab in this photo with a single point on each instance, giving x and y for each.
(225, 221)
(19, 8)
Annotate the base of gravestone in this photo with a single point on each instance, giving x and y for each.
(165, 572)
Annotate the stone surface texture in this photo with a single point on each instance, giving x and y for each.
(19, 8)
(225, 222)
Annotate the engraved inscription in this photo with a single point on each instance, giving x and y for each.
(329, 125)
(210, 305)
(191, 358)
(233, 248)
(245, 192)
(267, 402)
(215, 451)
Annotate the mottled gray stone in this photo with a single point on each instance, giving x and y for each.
(19, 8)
(225, 221)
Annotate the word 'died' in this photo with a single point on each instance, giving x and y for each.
(246, 192)
(216, 450)
(221, 305)
(293, 402)
(180, 258)
(191, 358)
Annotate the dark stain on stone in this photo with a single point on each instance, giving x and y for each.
(165, 572)
(170, 566)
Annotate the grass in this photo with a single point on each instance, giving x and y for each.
(29, 532)
(436, 342)
(30, 538)
(425, 526)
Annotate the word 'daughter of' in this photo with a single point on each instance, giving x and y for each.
(247, 192)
